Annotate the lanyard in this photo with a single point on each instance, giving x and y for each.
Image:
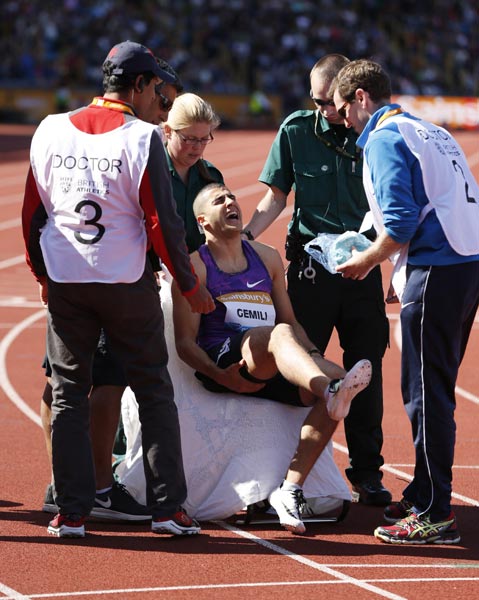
(113, 105)
(389, 113)
(335, 147)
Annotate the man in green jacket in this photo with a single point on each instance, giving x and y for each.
(315, 155)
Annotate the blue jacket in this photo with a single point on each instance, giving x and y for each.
(398, 184)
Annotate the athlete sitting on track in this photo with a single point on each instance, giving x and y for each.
(252, 344)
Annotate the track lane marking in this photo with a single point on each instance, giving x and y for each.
(310, 563)
(4, 380)
(233, 585)
(12, 594)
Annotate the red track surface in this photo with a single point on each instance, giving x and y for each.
(121, 561)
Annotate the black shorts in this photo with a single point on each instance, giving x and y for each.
(106, 370)
(228, 352)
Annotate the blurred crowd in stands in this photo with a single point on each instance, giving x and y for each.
(429, 47)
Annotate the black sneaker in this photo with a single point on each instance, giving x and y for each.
(397, 510)
(371, 492)
(119, 505)
(49, 505)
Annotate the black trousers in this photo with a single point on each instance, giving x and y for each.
(356, 310)
(132, 318)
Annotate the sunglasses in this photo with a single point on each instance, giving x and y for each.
(342, 110)
(165, 103)
(321, 103)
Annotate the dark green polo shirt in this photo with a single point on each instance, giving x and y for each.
(329, 193)
(185, 194)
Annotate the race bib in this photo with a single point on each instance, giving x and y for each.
(245, 310)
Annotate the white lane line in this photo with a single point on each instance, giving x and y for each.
(11, 593)
(11, 262)
(465, 565)
(226, 586)
(408, 477)
(310, 563)
(403, 475)
(456, 566)
(19, 302)
(254, 166)
(15, 179)
(421, 580)
(11, 199)
(411, 466)
(10, 224)
(249, 190)
(4, 380)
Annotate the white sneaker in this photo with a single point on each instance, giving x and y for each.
(287, 505)
(341, 392)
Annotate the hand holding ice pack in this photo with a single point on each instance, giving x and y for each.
(332, 249)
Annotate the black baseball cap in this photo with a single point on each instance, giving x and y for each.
(129, 58)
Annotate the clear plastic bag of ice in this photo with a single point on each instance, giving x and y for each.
(333, 249)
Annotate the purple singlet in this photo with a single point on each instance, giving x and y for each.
(243, 300)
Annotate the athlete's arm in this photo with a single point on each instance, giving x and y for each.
(186, 325)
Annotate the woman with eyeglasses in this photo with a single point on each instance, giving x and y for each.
(189, 128)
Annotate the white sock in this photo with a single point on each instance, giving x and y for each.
(290, 487)
(104, 490)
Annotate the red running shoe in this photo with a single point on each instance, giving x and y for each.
(179, 524)
(67, 526)
(418, 529)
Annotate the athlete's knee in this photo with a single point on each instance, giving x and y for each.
(280, 333)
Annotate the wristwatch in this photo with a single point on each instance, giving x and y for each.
(248, 234)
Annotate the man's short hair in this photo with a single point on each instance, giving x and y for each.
(329, 66)
(365, 74)
(203, 195)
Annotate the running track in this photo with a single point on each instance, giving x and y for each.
(126, 561)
